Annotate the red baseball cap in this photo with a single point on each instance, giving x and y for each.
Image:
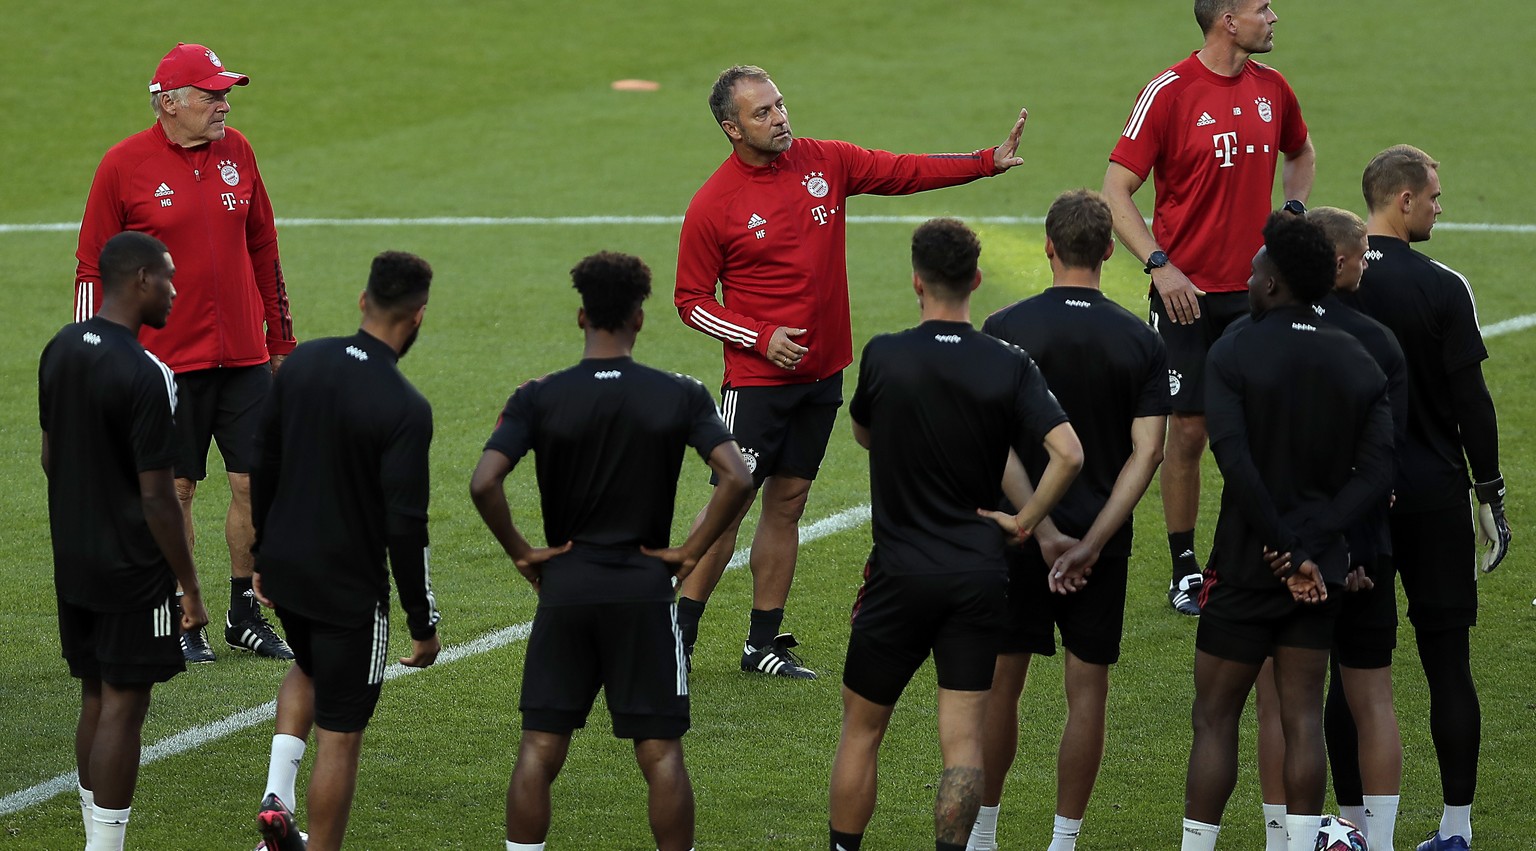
(194, 65)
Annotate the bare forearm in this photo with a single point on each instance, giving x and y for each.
(163, 514)
(1299, 173)
(1128, 490)
(491, 502)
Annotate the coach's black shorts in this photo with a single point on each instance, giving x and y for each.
(899, 620)
(1188, 344)
(222, 404)
(1247, 624)
(346, 664)
(784, 429)
(1436, 556)
(1091, 619)
(632, 650)
(1366, 632)
(141, 647)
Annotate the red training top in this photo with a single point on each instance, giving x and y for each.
(1211, 143)
(775, 238)
(210, 208)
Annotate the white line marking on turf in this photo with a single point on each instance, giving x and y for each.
(187, 740)
(1519, 323)
(579, 221)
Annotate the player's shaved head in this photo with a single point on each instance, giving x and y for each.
(1300, 254)
(1343, 228)
(125, 255)
(398, 282)
(1207, 11)
(944, 255)
(722, 98)
(1397, 168)
(612, 287)
(1081, 227)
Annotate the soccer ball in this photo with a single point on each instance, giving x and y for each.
(1337, 834)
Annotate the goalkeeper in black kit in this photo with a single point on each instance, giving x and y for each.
(1451, 426)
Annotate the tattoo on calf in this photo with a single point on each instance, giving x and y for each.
(954, 811)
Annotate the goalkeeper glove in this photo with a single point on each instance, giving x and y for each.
(1492, 526)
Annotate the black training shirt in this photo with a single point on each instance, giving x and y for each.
(106, 405)
(943, 403)
(1298, 419)
(1374, 535)
(1107, 368)
(608, 436)
(341, 480)
(1429, 307)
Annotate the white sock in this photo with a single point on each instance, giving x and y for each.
(1456, 821)
(1380, 821)
(518, 846)
(1199, 836)
(1274, 828)
(87, 807)
(1303, 831)
(108, 830)
(1064, 834)
(1355, 815)
(984, 831)
(283, 769)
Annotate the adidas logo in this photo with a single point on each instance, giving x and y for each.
(1273, 823)
(1205, 120)
(1302, 326)
(1187, 554)
(756, 222)
(603, 375)
(1072, 302)
(164, 191)
(354, 351)
(1369, 814)
(947, 338)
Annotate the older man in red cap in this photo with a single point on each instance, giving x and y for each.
(192, 182)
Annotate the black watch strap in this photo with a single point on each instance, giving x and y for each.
(1156, 260)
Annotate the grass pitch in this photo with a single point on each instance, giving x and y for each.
(393, 109)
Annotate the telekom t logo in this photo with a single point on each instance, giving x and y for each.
(819, 213)
(1226, 146)
(229, 200)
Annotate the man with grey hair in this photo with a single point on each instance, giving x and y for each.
(1209, 130)
(192, 183)
(769, 229)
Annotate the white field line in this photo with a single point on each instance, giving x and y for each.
(195, 737)
(578, 221)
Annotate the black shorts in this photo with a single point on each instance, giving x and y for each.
(221, 404)
(1436, 556)
(632, 650)
(346, 664)
(122, 648)
(899, 620)
(1188, 344)
(784, 429)
(1366, 632)
(1091, 619)
(1247, 624)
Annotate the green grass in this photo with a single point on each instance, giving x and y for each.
(502, 109)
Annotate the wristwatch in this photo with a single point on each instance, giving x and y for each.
(1295, 208)
(1156, 260)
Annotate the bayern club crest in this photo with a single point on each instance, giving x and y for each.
(229, 173)
(1266, 112)
(214, 58)
(816, 184)
(749, 457)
